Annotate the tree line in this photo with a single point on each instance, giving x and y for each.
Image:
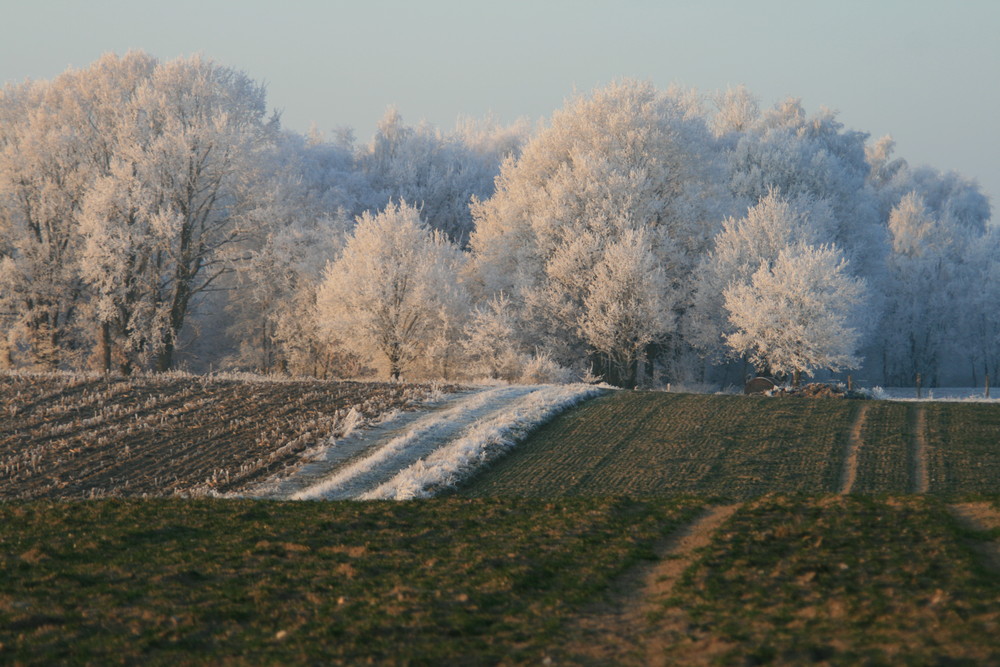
(156, 214)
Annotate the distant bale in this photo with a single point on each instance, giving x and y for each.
(759, 385)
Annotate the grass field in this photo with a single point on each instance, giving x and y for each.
(854, 532)
(846, 580)
(841, 579)
(432, 582)
(963, 447)
(649, 443)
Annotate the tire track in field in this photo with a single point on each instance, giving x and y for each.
(631, 628)
(920, 479)
(855, 442)
(980, 518)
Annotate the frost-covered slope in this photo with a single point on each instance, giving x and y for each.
(436, 450)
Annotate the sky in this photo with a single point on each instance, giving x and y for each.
(925, 72)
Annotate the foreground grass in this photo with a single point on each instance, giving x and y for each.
(435, 582)
(839, 580)
(787, 580)
(964, 447)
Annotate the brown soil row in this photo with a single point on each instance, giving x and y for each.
(921, 478)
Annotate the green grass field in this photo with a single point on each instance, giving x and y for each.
(847, 580)
(963, 447)
(648, 444)
(789, 580)
(434, 582)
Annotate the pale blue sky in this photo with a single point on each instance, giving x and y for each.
(926, 72)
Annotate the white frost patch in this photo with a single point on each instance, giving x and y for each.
(480, 442)
(419, 439)
(937, 394)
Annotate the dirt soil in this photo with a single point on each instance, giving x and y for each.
(855, 442)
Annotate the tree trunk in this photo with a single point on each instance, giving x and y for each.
(104, 342)
(165, 357)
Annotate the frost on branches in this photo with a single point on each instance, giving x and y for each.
(796, 315)
(393, 293)
(626, 309)
(155, 215)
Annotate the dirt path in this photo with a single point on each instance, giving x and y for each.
(920, 477)
(854, 443)
(630, 627)
(981, 517)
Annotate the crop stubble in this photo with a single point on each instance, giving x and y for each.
(68, 437)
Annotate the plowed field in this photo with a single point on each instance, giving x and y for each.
(66, 436)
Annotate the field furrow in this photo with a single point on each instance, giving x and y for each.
(839, 580)
(617, 629)
(920, 478)
(855, 443)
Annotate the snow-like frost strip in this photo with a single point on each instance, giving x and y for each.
(421, 438)
(480, 442)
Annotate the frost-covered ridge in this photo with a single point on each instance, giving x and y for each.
(446, 446)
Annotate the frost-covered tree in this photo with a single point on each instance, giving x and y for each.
(737, 111)
(393, 293)
(490, 341)
(301, 221)
(42, 178)
(627, 308)
(793, 154)
(144, 202)
(922, 293)
(979, 315)
(625, 158)
(56, 138)
(439, 173)
(740, 249)
(798, 314)
(159, 225)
